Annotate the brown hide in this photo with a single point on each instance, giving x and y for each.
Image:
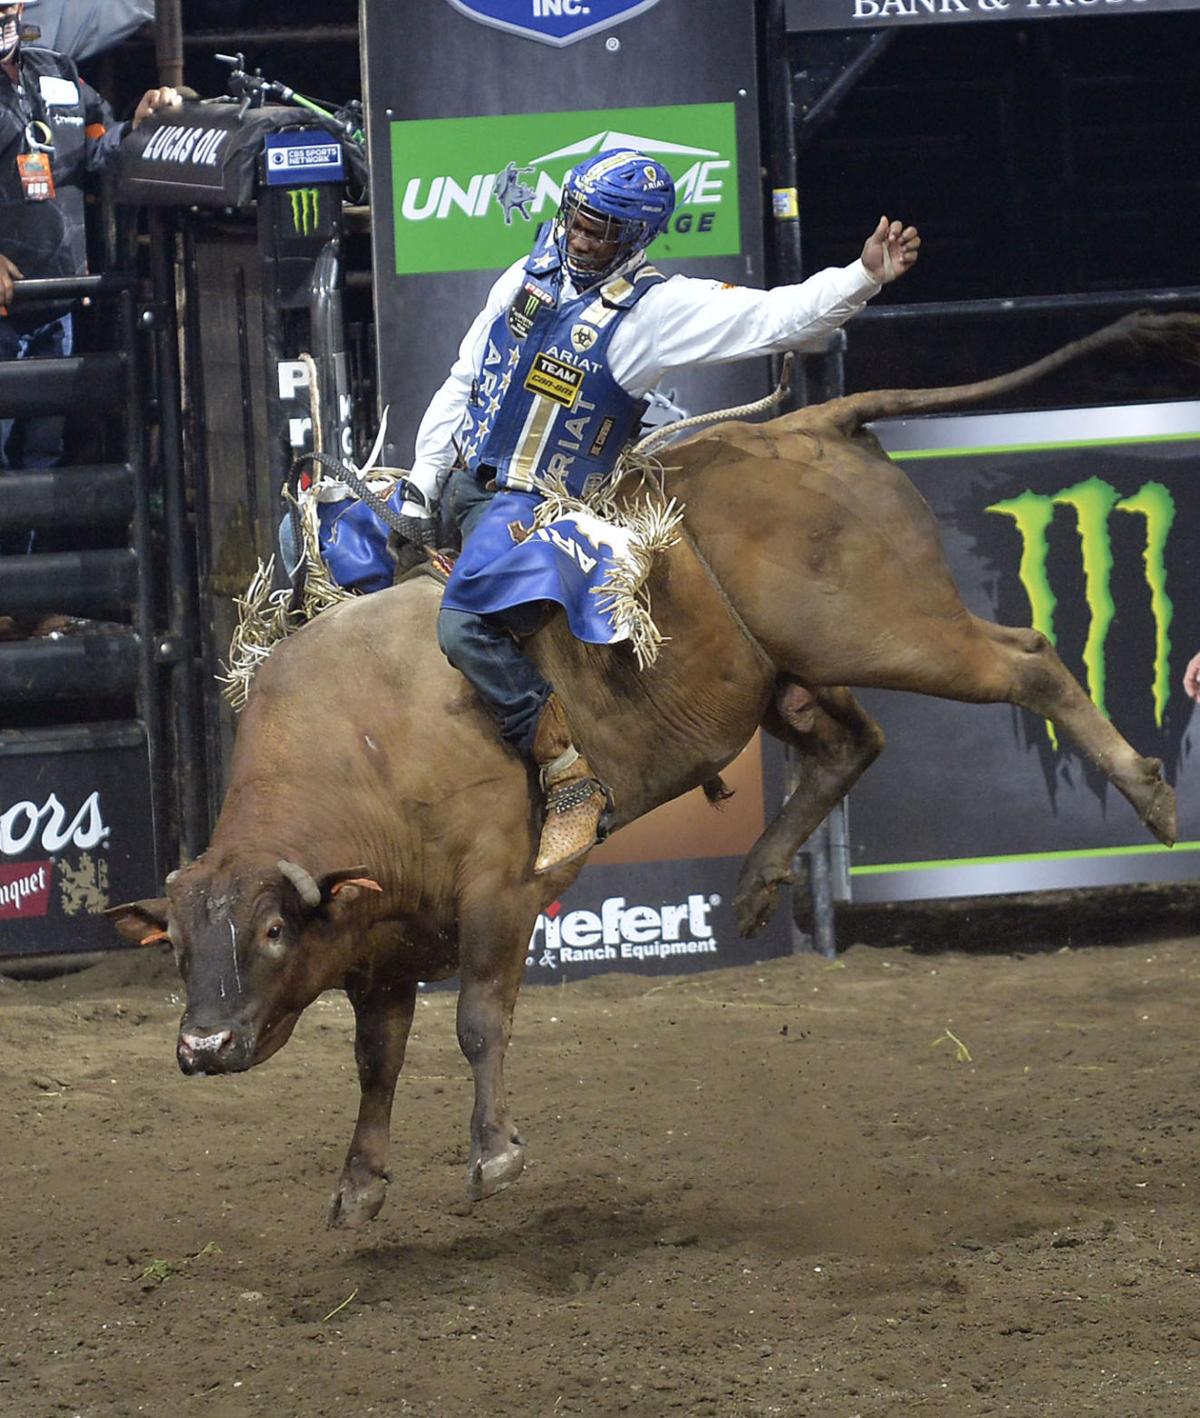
(361, 744)
(653, 734)
(821, 542)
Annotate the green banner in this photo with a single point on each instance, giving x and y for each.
(468, 193)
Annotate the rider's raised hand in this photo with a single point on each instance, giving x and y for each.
(890, 250)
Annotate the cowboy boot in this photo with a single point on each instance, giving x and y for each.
(575, 797)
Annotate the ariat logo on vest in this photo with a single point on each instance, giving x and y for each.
(583, 337)
(554, 380)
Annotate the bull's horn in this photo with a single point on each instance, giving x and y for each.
(310, 892)
(171, 875)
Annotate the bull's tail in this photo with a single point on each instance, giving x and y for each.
(1177, 335)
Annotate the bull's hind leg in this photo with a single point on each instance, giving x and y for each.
(978, 662)
(1031, 674)
(837, 741)
(383, 1013)
(494, 936)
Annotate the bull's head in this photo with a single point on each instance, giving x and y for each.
(255, 944)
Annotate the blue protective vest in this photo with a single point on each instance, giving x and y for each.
(545, 403)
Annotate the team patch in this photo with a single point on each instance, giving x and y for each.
(554, 380)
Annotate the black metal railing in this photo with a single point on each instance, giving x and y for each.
(91, 531)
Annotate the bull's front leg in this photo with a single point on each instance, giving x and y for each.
(383, 1013)
(490, 979)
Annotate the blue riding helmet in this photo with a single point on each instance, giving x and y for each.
(630, 193)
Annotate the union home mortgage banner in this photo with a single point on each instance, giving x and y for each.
(476, 111)
(805, 15)
(470, 193)
(1084, 523)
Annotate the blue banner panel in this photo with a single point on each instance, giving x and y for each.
(295, 159)
(76, 836)
(556, 22)
(1083, 523)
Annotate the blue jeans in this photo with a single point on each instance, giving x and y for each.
(483, 647)
(34, 442)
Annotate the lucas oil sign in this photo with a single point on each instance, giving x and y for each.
(469, 193)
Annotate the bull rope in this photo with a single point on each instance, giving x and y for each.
(669, 431)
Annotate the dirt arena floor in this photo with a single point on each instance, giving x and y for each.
(909, 1181)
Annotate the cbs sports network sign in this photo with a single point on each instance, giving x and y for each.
(469, 193)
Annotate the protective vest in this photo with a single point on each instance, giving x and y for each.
(545, 403)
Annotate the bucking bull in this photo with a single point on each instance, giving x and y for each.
(377, 832)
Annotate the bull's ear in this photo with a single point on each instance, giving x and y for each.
(343, 885)
(142, 921)
(348, 883)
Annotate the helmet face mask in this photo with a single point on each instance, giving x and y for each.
(613, 205)
(595, 243)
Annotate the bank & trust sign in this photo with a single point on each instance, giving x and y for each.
(867, 14)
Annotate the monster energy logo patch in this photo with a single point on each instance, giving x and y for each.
(1093, 501)
(306, 209)
(521, 313)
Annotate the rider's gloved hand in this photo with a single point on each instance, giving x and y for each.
(417, 524)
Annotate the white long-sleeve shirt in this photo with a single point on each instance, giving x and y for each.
(683, 321)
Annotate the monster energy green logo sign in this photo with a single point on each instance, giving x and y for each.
(306, 208)
(1093, 501)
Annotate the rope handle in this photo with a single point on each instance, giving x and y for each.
(343, 472)
(671, 430)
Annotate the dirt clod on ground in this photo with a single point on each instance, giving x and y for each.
(944, 1184)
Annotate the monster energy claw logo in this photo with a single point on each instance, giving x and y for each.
(306, 209)
(1093, 500)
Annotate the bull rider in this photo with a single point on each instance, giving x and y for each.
(498, 426)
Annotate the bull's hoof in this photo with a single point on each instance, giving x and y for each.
(488, 1175)
(355, 1202)
(1160, 814)
(754, 904)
